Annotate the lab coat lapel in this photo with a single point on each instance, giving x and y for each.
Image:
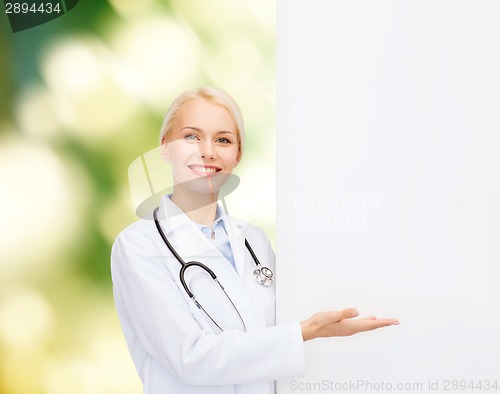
(234, 230)
(187, 239)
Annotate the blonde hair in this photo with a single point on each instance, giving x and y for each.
(212, 95)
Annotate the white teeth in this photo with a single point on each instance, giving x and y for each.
(204, 169)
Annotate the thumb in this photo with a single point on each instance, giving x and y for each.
(349, 313)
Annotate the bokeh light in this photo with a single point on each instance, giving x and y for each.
(36, 112)
(161, 55)
(88, 95)
(26, 319)
(41, 206)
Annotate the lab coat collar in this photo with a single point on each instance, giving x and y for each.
(173, 218)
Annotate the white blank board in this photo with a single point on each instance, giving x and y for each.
(388, 189)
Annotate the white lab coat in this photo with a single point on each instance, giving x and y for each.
(174, 346)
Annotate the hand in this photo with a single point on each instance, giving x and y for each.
(340, 324)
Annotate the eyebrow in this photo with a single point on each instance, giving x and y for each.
(200, 130)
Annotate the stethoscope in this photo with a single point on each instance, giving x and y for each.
(262, 275)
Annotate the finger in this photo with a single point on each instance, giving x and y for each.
(372, 324)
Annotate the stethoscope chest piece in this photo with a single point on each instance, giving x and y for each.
(263, 276)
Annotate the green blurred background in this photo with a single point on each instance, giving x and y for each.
(81, 98)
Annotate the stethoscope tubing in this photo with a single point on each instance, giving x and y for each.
(185, 266)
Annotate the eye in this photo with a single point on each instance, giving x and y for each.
(191, 137)
(224, 140)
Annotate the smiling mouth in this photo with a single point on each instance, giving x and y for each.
(205, 170)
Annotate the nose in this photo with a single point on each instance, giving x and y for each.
(207, 150)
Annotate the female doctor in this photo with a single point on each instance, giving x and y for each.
(186, 331)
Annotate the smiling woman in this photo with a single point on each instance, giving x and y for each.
(177, 344)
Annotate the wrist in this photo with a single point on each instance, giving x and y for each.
(307, 328)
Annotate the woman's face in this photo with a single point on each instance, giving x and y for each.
(202, 146)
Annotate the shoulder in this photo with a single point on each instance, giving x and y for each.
(138, 237)
(140, 228)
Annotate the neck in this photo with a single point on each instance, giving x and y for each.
(201, 208)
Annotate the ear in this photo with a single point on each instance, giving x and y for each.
(237, 161)
(164, 152)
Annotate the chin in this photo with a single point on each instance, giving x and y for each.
(206, 185)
